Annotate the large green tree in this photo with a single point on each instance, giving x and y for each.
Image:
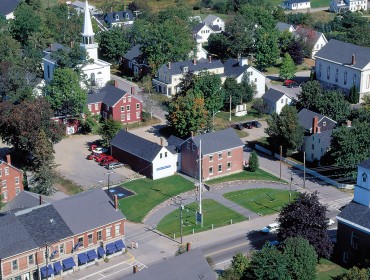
(287, 68)
(266, 49)
(109, 129)
(65, 93)
(114, 44)
(239, 264)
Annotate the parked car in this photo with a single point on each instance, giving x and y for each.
(92, 157)
(107, 162)
(93, 147)
(114, 165)
(271, 228)
(256, 124)
(238, 126)
(100, 150)
(103, 157)
(248, 125)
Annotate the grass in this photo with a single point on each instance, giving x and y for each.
(245, 175)
(213, 213)
(327, 270)
(150, 193)
(262, 201)
(275, 69)
(67, 186)
(145, 122)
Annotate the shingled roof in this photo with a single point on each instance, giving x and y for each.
(305, 117)
(108, 95)
(341, 53)
(136, 145)
(216, 141)
(8, 6)
(233, 69)
(365, 164)
(356, 213)
(273, 95)
(201, 65)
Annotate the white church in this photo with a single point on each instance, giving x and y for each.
(97, 73)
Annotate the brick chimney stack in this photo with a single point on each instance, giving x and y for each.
(315, 122)
(116, 202)
(161, 141)
(353, 59)
(210, 59)
(194, 61)
(132, 90)
(8, 160)
(116, 83)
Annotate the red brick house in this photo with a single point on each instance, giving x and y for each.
(11, 180)
(222, 154)
(112, 102)
(55, 239)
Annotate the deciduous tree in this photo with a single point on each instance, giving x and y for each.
(295, 50)
(253, 162)
(109, 129)
(114, 44)
(267, 51)
(355, 273)
(287, 68)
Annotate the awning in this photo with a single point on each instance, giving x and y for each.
(91, 255)
(119, 245)
(82, 258)
(111, 248)
(46, 272)
(101, 252)
(68, 263)
(57, 267)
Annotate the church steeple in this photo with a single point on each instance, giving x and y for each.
(87, 31)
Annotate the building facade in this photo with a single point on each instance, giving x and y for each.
(340, 6)
(11, 180)
(296, 4)
(275, 100)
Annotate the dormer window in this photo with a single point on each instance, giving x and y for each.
(364, 178)
(185, 69)
(116, 16)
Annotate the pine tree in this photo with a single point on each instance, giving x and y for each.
(287, 68)
(253, 162)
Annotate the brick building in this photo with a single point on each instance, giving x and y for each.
(58, 238)
(11, 180)
(353, 234)
(222, 154)
(112, 102)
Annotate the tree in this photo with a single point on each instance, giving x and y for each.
(114, 44)
(259, 105)
(218, 44)
(73, 58)
(233, 89)
(267, 51)
(311, 92)
(284, 130)
(295, 50)
(306, 217)
(287, 68)
(284, 40)
(240, 35)
(65, 93)
(42, 181)
(239, 264)
(248, 88)
(109, 129)
(354, 95)
(187, 114)
(301, 258)
(253, 162)
(148, 96)
(355, 273)
(43, 152)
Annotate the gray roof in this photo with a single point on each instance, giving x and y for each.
(189, 265)
(305, 33)
(273, 95)
(14, 237)
(233, 69)
(23, 201)
(356, 213)
(136, 145)
(175, 141)
(198, 27)
(305, 117)
(87, 210)
(202, 64)
(134, 53)
(210, 19)
(8, 6)
(341, 52)
(44, 224)
(365, 164)
(216, 141)
(108, 94)
(296, 1)
(282, 26)
(122, 16)
(54, 47)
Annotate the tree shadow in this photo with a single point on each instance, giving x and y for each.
(257, 239)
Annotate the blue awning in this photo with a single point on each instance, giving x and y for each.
(82, 258)
(101, 252)
(119, 245)
(91, 255)
(111, 248)
(68, 263)
(57, 267)
(46, 271)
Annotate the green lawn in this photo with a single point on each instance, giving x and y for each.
(245, 175)
(262, 201)
(327, 270)
(314, 3)
(150, 193)
(213, 213)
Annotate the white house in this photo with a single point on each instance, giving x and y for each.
(344, 65)
(212, 20)
(318, 133)
(296, 4)
(339, 6)
(118, 19)
(275, 101)
(202, 31)
(169, 75)
(143, 156)
(97, 72)
(7, 8)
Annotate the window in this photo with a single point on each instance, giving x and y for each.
(129, 99)
(90, 238)
(322, 151)
(336, 75)
(364, 178)
(98, 235)
(81, 241)
(210, 158)
(345, 257)
(219, 155)
(324, 124)
(228, 153)
(6, 170)
(15, 264)
(124, 100)
(89, 107)
(313, 147)
(228, 165)
(5, 195)
(61, 249)
(320, 67)
(108, 232)
(220, 168)
(319, 141)
(210, 170)
(117, 229)
(122, 117)
(165, 154)
(17, 191)
(282, 101)
(92, 79)
(48, 71)
(255, 80)
(160, 155)
(128, 108)
(128, 117)
(328, 73)
(137, 106)
(31, 260)
(96, 106)
(122, 108)
(345, 77)
(138, 115)
(3, 183)
(189, 145)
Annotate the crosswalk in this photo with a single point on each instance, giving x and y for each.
(139, 265)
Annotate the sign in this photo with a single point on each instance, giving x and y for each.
(163, 167)
(199, 219)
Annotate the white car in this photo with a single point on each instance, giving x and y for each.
(270, 228)
(100, 150)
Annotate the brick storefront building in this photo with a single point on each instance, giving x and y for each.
(11, 180)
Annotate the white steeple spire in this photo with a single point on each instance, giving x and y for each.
(87, 30)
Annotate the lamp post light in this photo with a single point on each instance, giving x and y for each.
(108, 174)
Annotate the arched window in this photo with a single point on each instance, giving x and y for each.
(364, 178)
(345, 77)
(92, 79)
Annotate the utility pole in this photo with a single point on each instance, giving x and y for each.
(200, 176)
(304, 169)
(181, 207)
(230, 108)
(108, 174)
(281, 155)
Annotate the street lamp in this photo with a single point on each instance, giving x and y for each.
(213, 118)
(108, 174)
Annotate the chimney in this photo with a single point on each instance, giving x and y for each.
(132, 90)
(169, 65)
(349, 123)
(353, 59)
(111, 9)
(135, 269)
(116, 202)
(210, 59)
(315, 122)
(161, 141)
(116, 83)
(40, 199)
(195, 61)
(8, 160)
(192, 134)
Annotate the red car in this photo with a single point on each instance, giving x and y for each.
(93, 147)
(106, 162)
(92, 157)
(103, 157)
(290, 83)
